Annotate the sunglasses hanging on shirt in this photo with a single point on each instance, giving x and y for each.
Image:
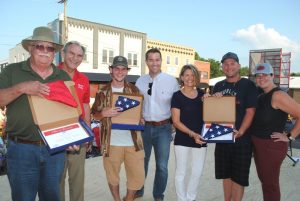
(150, 88)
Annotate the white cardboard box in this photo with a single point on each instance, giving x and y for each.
(222, 111)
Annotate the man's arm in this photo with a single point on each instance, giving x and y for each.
(8, 95)
(97, 107)
(247, 120)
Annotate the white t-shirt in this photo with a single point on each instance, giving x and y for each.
(120, 137)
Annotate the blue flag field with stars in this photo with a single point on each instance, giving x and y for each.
(126, 103)
(217, 130)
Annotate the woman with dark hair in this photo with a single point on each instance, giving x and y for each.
(268, 136)
(186, 108)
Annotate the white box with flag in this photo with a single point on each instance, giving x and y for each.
(59, 124)
(219, 119)
(130, 117)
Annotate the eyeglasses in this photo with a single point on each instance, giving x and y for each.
(42, 48)
(150, 88)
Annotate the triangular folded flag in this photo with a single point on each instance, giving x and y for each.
(59, 92)
(126, 103)
(216, 130)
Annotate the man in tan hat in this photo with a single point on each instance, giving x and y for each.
(31, 169)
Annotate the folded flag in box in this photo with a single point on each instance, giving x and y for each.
(216, 130)
(126, 103)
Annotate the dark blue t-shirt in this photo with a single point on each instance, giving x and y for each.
(246, 94)
(190, 115)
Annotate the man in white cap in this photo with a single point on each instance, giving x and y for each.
(31, 169)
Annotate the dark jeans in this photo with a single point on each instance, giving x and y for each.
(160, 138)
(32, 170)
(268, 157)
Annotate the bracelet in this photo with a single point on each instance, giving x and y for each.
(289, 136)
(191, 133)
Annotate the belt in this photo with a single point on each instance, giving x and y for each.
(158, 123)
(18, 140)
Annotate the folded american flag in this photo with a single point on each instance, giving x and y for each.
(216, 130)
(126, 103)
(59, 92)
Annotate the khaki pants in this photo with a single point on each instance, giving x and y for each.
(74, 165)
(134, 166)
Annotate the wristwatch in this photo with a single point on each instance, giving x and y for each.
(289, 135)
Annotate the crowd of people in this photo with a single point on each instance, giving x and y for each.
(258, 128)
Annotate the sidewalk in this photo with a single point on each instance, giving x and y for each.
(210, 189)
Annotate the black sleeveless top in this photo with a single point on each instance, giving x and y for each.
(267, 119)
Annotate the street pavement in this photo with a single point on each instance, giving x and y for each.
(210, 189)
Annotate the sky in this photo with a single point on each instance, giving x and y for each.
(211, 27)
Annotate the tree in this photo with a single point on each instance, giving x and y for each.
(197, 57)
(295, 74)
(244, 71)
(215, 70)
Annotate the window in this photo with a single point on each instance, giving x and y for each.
(135, 60)
(204, 74)
(187, 61)
(176, 61)
(104, 56)
(107, 56)
(111, 56)
(168, 59)
(132, 59)
(129, 59)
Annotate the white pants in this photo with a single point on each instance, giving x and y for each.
(185, 156)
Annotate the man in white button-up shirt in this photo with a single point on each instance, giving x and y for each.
(157, 88)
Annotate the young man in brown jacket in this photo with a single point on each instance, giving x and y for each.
(119, 146)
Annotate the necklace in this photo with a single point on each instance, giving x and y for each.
(189, 93)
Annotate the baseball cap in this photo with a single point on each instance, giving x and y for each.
(230, 55)
(263, 68)
(119, 61)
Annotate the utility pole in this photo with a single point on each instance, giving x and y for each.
(65, 19)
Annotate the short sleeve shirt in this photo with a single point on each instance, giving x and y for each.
(157, 106)
(19, 117)
(246, 94)
(82, 88)
(191, 111)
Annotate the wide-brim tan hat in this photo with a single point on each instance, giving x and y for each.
(42, 34)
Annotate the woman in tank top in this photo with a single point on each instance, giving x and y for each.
(268, 136)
